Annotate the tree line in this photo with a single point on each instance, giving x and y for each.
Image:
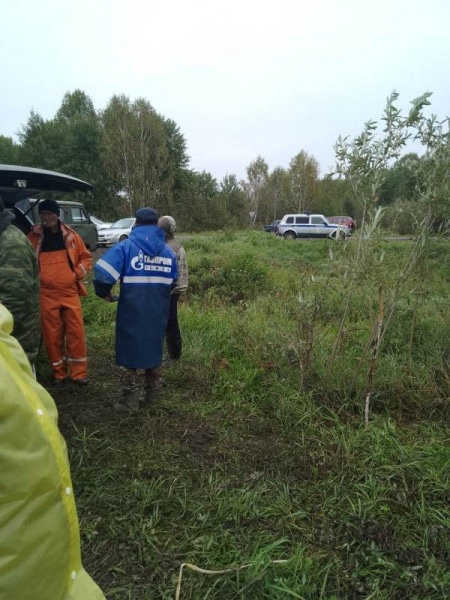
(135, 156)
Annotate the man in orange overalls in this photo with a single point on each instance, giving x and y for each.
(63, 263)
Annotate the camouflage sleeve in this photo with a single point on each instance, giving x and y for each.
(84, 259)
(183, 273)
(19, 288)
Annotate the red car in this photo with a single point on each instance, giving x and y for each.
(348, 221)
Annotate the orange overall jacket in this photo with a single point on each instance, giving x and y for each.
(61, 274)
(80, 257)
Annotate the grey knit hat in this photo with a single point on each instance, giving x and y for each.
(169, 225)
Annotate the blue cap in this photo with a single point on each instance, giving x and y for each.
(146, 216)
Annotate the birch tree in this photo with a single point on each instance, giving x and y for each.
(257, 175)
(135, 151)
(303, 174)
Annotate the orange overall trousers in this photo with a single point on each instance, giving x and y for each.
(62, 317)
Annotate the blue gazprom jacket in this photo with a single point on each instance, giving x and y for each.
(147, 269)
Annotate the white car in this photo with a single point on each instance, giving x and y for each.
(99, 223)
(119, 231)
(311, 226)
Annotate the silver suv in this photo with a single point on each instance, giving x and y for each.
(310, 226)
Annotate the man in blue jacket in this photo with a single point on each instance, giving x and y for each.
(147, 270)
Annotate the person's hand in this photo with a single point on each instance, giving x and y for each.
(111, 298)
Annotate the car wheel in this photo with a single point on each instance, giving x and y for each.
(289, 235)
(123, 237)
(338, 235)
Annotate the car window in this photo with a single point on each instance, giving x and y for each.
(62, 214)
(123, 224)
(301, 220)
(289, 220)
(78, 215)
(317, 221)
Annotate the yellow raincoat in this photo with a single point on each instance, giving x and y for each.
(39, 537)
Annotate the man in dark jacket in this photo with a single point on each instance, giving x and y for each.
(19, 284)
(173, 334)
(147, 270)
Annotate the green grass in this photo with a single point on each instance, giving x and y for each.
(257, 451)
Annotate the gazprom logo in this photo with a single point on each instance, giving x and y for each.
(137, 262)
(151, 263)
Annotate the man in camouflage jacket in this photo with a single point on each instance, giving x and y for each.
(173, 337)
(19, 284)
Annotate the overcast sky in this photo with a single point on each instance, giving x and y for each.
(241, 78)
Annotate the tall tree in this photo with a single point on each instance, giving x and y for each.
(174, 179)
(75, 106)
(335, 197)
(198, 211)
(401, 180)
(233, 201)
(40, 143)
(81, 146)
(69, 143)
(135, 151)
(9, 151)
(257, 175)
(303, 174)
(278, 185)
